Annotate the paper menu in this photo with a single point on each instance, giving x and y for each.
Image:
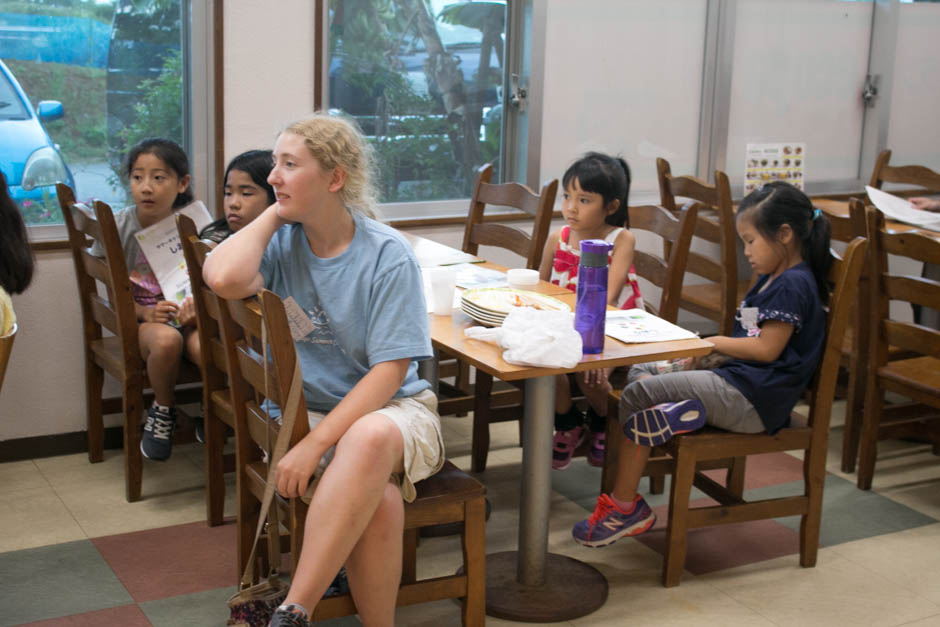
(900, 209)
(764, 163)
(638, 325)
(160, 244)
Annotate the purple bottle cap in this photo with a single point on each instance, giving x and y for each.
(594, 252)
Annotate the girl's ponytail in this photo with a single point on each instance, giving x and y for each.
(625, 201)
(815, 251)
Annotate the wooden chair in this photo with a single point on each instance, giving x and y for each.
(710, 444)
(905, 174)
(450, 496)
(665, 272)
(916, 377)
(216, 396)
(6, 347)
(117, 355)
(718, 298)
(855, 342)
(504, 405)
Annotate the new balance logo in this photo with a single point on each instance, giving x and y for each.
(613, 524)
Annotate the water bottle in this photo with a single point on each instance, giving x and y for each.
(590, 310)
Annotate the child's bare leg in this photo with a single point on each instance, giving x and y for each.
(374, 566)
(562, 394)
(191, 345)
(344, 503)
(161, 347)
(631, 462)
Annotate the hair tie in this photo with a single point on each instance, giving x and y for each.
(816, 214)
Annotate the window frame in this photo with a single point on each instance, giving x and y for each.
(202, 40)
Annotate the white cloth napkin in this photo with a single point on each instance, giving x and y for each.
(534, 337)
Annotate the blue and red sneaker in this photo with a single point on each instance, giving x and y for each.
(609, 523)
(656, 425)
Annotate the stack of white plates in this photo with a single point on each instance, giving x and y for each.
(490, 306)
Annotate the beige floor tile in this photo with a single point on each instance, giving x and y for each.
(930, 621)
(35, 517)
(908, 558)
(836, 592)
(19, 476)
(173, 493)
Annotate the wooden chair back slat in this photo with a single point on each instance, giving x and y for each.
(705, 267)
(103, 313)
(503, 236)
(517, 196)
(715, 224)
(912, 337)
(911, 244)
(96, 267)
(904, 174)
(665, 272)
(915, 290)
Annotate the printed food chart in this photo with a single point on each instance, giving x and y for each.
(764, 163)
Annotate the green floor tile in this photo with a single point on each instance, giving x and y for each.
(57, 580)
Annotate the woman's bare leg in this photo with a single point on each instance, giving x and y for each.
(344, 504)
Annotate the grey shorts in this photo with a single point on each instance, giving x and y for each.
(416, 417)
(725, 407)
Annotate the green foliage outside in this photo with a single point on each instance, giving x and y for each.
(160, 112)
(61, 8)
(80, 134)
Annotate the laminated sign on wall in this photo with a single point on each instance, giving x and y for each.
(774, 162)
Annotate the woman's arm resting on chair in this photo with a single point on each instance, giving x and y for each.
(231, 270)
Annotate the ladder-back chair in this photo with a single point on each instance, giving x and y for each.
(505, 405)
(718, 297)
(118, 355)
(690, 449)
(216, 397)
(916, 376)
(918, 175)
(665, 272)
(449, 496)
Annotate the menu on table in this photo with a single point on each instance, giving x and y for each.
(764, 163)
(638, 325)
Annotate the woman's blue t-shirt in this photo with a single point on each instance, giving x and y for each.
(366, 306)
(774, 388)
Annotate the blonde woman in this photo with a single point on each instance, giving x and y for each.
(374, 423)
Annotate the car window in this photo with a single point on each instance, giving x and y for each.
(11, 107)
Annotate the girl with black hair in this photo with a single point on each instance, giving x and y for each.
(594, 205)
(16, 257)
(158, 171)
(247, 193)
(776, 345)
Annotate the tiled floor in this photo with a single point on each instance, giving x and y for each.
(74, 553)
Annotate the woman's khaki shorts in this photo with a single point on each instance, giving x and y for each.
(416, 417)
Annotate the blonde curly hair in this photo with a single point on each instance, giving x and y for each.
(336, 141)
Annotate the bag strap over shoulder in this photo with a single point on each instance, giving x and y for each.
(267, 513)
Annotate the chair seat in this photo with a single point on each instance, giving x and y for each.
(705, 298)
(222, 403)
(712, 443)
(920, 375)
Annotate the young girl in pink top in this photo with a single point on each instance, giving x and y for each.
(596, 189)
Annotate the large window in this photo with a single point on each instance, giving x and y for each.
(80, 82)
(424, 80)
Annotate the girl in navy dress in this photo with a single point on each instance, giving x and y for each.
(777, 342)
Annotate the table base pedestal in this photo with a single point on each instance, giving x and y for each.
(572, 589)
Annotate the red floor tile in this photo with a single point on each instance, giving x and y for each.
(171, 561)
(725, 546)
(126, 616)
(766, 470)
